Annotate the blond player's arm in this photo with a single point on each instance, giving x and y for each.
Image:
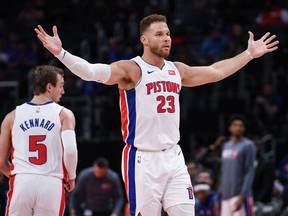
(6, 143)
(194, 76)
(68, 137)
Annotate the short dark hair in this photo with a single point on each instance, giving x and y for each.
(43, 75)
(101, 162)
(148, 20)
(236, 117)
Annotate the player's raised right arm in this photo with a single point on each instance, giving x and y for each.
(90, 72)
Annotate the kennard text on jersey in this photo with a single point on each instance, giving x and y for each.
(36, 122)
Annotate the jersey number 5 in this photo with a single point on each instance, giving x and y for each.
(36, 145)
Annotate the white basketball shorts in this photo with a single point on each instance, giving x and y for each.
(155, 179)
(36, 195)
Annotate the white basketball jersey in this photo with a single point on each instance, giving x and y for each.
(150, 111)
(37, 146)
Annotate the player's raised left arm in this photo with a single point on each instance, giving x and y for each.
(194, 76)
(6, 143)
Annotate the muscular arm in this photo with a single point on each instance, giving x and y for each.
(194, 76)
(120, 72)
(6, 143)
(124, 73)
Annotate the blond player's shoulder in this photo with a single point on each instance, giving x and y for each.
(65, 112)
(67, 118)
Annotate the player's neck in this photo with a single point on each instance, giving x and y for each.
(41, 99)
(236, 138)
(153, 60)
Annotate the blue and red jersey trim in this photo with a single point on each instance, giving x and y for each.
(128, 115)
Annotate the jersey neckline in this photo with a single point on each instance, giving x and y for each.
(33, 104)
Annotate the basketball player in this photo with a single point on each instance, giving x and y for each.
(153, 166)
(40, 137)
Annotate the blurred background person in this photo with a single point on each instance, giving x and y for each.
(267, 110)
(264, 176)
(206, 175)
(237, 171)
(98, 191)
(211, 157)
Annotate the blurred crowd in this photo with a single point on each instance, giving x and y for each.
(202, 31)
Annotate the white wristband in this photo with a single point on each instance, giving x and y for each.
(249, 54)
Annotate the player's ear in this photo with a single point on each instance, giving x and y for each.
(144, 40)
(49, 87)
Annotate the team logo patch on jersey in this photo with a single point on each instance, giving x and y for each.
(171, 72)
(37, 109)
(139, 159)
(190, 192)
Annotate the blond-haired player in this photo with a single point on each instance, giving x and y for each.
(40, 138)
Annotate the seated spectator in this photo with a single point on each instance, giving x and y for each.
(267, 109)
(193, 168)
(211, 157)
(4, 57)
(118, 50)
(272, 15)
(213, 45)
(30, 16)
(264, 177)
(206, 201)
(283, 169)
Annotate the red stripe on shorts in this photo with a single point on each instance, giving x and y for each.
(125, 160)
(10, 193)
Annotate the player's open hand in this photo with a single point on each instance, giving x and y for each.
(264, 45)
(51, 43)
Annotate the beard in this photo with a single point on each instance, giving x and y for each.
(159, 52)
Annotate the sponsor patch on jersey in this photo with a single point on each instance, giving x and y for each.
(171, 72)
